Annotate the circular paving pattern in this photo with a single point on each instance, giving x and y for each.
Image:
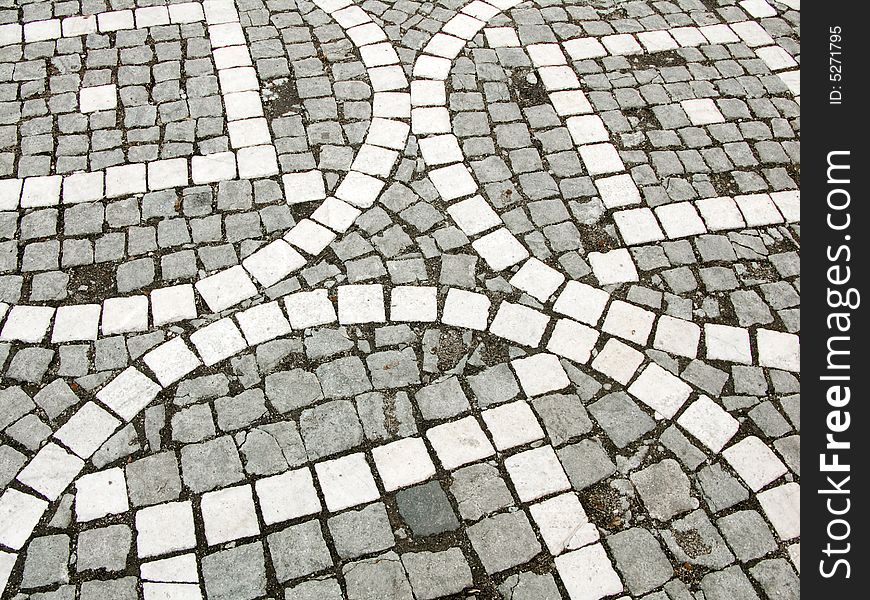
(396, 300)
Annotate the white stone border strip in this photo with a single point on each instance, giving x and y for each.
(58, 463)
(749, 32)
(253, 154)
(454, 182)
(688, 219)
(53, 468)
(104, 22)
(452, 179)
(358, 190)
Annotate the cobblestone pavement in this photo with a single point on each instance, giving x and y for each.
(399, 300)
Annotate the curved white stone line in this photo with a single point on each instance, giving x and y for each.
(253, 155)
(71, 323)
(673, 335)
(277, 260)
(358, 190)
(128, 393)
(430, 121)
(58, 463)
(616, 187)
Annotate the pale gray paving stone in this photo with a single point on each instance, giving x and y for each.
(494, 385)
(104, 548)
(343, 377)
(359, 532)
(46, 562)
(289, 390)
(563, 416)
(385, 416)
(442, 399)
(719, 488)
(153, 479)
(747, 534)
(11, 461)
(641, 576)
(122, 589)
(695, 539)
(193, 424)
(621, 418)
(299, 550)
(235, 573)
(503, 541)
(528, 585)
(382, 576)
(585, 463)
(664, 489)
(211, 464)
(776, 577)
(315, 589)
(436, 574)
(728, 583)
(330, 428)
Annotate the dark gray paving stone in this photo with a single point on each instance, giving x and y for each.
(426, 509)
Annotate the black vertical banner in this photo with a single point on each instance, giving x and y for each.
(835, 257)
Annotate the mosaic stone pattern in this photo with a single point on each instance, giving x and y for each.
(399, 300)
